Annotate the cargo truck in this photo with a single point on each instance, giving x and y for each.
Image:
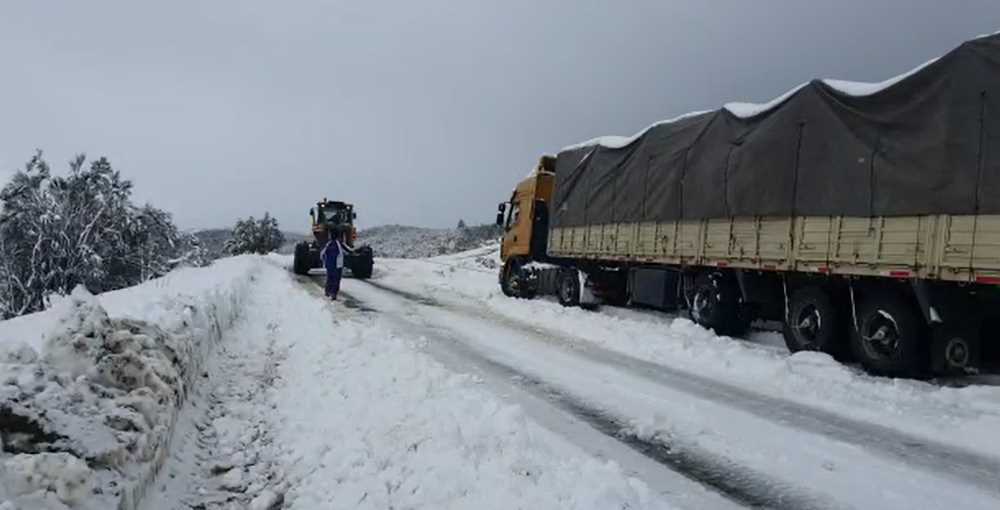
(865, 218)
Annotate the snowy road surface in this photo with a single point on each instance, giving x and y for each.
(426, 388)
(308, 404)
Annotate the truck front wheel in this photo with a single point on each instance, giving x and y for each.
(516, 281)
(890, 338)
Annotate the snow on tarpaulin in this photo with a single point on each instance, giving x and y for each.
(617, 142)
(86, 412)
(907, 146)
(858, 88)
(747, 110)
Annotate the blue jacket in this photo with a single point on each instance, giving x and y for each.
(333, 255)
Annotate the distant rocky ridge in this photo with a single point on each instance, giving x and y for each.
(399, 241)
(394, 241)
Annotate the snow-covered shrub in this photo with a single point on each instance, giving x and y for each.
(255, 236)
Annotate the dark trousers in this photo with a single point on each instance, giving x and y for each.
(333, 281)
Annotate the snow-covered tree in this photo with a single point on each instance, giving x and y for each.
(255, 236)
(57, 232)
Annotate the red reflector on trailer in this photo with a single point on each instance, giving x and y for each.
(722, 264)
(823, 269)
(992, 280)
(770, 266)
(900, 274)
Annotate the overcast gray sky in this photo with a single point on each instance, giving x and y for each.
(420, 112)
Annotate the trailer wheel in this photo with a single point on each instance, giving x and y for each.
(955, 348)
(891, 338)
(813, 323)
(568, 287)
(300, 262)
(716, 304)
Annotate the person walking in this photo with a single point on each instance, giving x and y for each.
(333, 261)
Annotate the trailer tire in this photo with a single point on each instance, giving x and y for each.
(813, 323)
(955, 347)
(568, 287)
(300, 262)
(891, 337)
(716, 304)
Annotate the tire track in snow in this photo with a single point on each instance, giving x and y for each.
(220, 457)
(932, 456)
(735, 482)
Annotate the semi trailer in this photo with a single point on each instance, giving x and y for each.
(865, 218)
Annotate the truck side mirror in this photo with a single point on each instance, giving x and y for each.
(354, 216)
(500, 219)
(312, 212)
(500, 207)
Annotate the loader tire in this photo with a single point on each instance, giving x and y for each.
(364, 265)
(300, 262)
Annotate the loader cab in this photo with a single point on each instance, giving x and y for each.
(335, 216)
(525, 216)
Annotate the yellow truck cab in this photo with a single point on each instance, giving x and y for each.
(524, 219)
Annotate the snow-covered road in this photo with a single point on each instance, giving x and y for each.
(426, 388)
(308, 404)
(747, 443)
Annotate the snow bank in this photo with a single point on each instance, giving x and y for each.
(368, 420)
(91, 387)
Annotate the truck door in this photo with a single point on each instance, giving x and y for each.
(517, 229)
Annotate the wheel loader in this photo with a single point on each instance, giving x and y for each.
(333, 218)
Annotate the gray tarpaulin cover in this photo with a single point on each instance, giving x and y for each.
(928, 144)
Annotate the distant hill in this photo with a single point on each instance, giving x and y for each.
(399, 241)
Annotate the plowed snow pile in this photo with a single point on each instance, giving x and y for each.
(91, 387)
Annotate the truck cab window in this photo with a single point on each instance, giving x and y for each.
(515, 213)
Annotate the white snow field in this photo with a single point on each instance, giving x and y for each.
(240, 386)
